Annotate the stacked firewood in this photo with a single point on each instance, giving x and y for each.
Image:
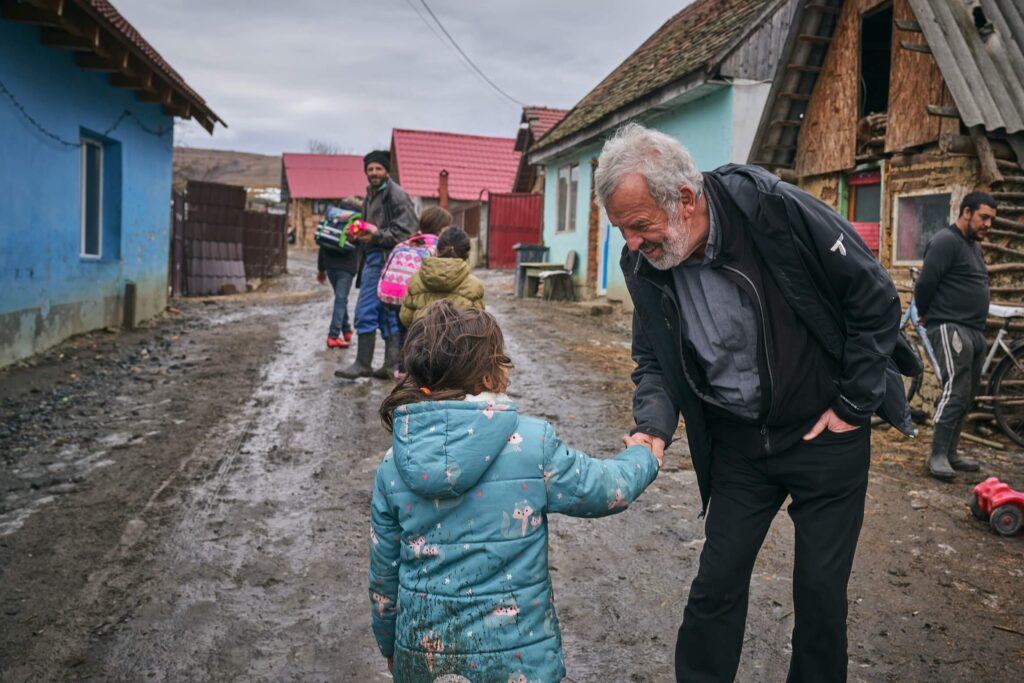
(871, 136)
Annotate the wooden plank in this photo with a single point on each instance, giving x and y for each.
(823, 8)
(795, 96)
(27, 14)
(804, 68)
(910, 25)
(915, 47)
(914, 82)
(814, 39)
(786, 123)
(828, 133)
(948, 112)
(62, 40)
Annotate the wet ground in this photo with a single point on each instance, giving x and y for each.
(190, 502)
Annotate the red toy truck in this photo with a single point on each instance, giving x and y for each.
(1000, 505)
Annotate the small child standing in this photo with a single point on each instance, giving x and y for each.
(459, 540)
(445, 276)
(338, 266)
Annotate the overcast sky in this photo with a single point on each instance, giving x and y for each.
(348, 71)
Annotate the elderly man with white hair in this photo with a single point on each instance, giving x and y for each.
(761, 318)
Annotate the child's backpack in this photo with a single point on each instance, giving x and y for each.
(335, 229)
(404, 262)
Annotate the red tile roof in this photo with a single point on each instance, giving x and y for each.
(542, 119)
(106, 12)
(473, 162)
(692, 39)
(324, 176)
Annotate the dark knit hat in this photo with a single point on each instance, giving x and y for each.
(378, 156)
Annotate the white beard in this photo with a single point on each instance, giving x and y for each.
(674, 249)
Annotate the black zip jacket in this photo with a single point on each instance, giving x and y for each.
(828, 316)
(392, 211)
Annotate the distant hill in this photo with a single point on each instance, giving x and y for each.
(233, 168)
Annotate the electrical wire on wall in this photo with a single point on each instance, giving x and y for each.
(126, 114)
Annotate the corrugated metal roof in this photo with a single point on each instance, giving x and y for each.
(690, 40)
(474, 163)
(324, 176)
(977, 46)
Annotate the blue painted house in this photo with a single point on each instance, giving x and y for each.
(703, 77)
(87, 112)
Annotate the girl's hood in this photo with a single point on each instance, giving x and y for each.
(443, 274)
(443, 448)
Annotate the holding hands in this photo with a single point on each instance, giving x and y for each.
(654, 443)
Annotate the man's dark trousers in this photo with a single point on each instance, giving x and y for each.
(960, 351)
(827, 479)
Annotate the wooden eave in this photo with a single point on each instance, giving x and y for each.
(66, 25)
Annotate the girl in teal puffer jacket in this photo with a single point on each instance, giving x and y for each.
(459, 541)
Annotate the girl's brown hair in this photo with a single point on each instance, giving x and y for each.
(453, 243)
(449, 353)
(434, 219)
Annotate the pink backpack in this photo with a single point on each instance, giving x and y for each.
(404, 262)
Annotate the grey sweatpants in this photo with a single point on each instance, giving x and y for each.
(960, 351)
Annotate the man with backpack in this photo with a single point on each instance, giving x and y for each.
(391, 219)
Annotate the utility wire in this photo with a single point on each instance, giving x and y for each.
(440, 37)
(462, 52)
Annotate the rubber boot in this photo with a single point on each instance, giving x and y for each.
(938, 462)
(957, 461)
(387, 371)
(362, 366)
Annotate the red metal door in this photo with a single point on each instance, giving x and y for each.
(512, 219)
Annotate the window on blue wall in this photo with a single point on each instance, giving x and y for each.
(92, 197)
(568, 185)
(100, 190)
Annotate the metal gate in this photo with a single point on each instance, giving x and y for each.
(513, 218)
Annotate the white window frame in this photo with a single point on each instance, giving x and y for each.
(83, 190)
(570, 201)
(953, 199)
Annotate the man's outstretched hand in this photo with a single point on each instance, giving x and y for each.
(656, 444)
(830, 421)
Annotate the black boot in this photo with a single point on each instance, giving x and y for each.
(362, 366)
(957, 461)
(391, 349)
(938, 462)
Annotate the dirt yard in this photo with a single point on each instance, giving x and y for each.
(190, 502)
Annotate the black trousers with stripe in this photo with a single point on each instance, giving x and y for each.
(960, 351)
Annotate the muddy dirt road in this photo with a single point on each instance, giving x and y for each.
(189, 502)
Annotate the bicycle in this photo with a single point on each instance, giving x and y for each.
(1006, 384)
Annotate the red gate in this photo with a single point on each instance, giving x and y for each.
(512, 218)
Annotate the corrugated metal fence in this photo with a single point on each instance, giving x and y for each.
(216, 245)
(513, 218)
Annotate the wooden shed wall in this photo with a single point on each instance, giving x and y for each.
(828, 134)
(757, 57)
(915, 83)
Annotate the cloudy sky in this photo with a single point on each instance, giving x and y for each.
(348, 71)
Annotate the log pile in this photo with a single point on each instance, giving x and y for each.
(871, 136)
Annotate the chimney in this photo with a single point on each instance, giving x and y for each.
(442, 189)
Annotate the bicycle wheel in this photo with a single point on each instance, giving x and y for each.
(1007, 386)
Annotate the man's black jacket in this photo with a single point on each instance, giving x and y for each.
(828, 278)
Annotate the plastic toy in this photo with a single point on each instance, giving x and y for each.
(338, 229)
(1000, 505)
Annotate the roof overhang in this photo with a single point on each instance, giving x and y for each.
(693, 86)
(100, 46)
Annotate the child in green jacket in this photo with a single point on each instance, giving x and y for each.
(445, 276)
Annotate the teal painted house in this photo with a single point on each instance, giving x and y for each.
(703, 77)
(87, 111)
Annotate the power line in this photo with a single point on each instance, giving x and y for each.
(466, 57)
